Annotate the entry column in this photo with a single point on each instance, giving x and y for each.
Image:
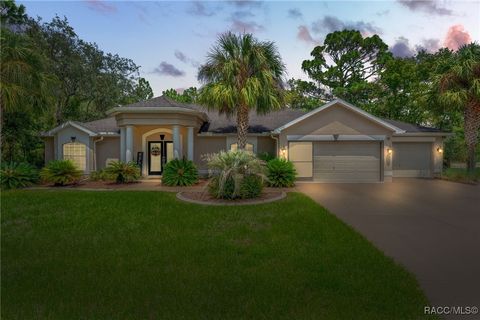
(122, 144)
(190, 143)
(129, 144)
(176, 141)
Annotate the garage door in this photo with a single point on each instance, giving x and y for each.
(412, 159)
(347, 161)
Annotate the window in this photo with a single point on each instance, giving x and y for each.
(77, 152)
(248, 147)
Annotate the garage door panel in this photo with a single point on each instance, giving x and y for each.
(412, 159)
(347, 161)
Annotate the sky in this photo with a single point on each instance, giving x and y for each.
(170, 40)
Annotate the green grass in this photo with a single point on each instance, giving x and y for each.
(146, 255)
(461, 175)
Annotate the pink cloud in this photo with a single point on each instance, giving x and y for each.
(305, 35)
(101, 6)
(456, 37)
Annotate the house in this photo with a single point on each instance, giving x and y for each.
(336, 142)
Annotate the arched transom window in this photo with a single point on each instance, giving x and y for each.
(77, 152)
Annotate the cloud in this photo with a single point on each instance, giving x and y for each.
(198, 8)
(431, 7)
(101, 6)
(167, 69)
(304, 35)
(456, 37)
(401, 48)
(383, 13)
(247, 3)
(330, 24)
(295, 13)
(183, 57)
(245, 26)
(429, 45)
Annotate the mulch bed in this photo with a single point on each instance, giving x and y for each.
(205, 198)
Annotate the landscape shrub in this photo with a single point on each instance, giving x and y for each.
(123, 172)
(61, 172)
(101, 175)
(235, 174)
(265, 156)
(281, 173)
(180, 172)
(17, 175)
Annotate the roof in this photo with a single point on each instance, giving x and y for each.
(221, 124)
(102, 125)
(160, 102)
(258, 123)
(411, 128)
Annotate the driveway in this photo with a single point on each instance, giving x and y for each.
(432, 227)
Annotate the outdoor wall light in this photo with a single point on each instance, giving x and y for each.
(73, 139)
(389, 151)
(283, 151)
(440, 150)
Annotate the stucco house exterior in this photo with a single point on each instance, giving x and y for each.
(336, 142)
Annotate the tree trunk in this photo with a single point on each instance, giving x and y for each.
(242, 127)
(471, 127)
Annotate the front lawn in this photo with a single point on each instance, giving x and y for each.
(146, 255)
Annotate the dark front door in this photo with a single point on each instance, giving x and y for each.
(159, 153)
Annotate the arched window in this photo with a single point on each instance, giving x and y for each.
(248, 147)
(77, 152)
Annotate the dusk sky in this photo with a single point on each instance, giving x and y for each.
(169, 40)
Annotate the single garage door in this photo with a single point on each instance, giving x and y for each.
(412, 159)
(347, 161)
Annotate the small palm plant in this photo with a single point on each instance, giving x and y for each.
(231, 170)
(17, 175)
(124, 172)
(281, 173)
(61, 172)
(180, 173)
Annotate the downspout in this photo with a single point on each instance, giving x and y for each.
(276, 143)
(95, 152)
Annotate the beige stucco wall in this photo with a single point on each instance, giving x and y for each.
(159, 119)
(108, 148)
(205, 145)
(266, 144)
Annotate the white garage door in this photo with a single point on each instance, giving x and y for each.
(347, 161)
(412, 159)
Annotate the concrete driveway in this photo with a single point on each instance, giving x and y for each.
(432, 227)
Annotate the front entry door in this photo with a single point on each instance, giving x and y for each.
(159, 153)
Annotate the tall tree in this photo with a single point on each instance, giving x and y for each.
(242, 74)
(188, 95)
(459, 87)
(306, 95)
(346, 65)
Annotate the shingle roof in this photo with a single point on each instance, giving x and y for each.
(220, 123)
(102, 125)
(408, 127)
(161, 101)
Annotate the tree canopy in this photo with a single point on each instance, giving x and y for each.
(50, 75)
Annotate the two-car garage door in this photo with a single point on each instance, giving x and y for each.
(344, 161)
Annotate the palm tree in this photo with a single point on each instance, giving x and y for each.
(242, 74)
(21, 77)
(460, 87)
